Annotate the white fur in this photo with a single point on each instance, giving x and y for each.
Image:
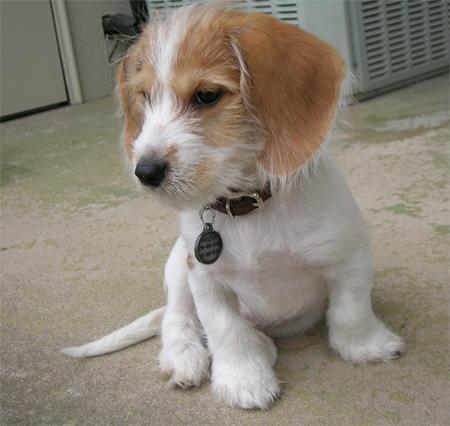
(143, 328)
(183, 355)
(278, 268)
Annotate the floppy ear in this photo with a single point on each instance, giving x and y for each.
(293, 87)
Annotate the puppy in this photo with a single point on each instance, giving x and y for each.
(228, 114)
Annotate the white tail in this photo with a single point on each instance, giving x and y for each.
(143, 328)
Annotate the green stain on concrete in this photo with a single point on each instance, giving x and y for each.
(402, 208)
(443, 230)
(440, 160)
(73, 161)
(398, 271)
(390, 417)
(304, 395)
(402, 397)
(390, 309)
(25, 246)
(12, 172)
(49, 242)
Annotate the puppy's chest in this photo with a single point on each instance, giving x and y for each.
(271, 287)
(265, 270)
(256, 252)
(245, 263)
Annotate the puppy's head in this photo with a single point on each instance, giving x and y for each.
(215, 100)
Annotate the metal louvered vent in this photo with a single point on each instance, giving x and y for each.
(286, 10)
(397, 40)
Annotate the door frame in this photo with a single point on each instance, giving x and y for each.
(66, 51)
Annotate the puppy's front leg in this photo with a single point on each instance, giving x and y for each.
(183, 355)
(243, 357)
(355, 332)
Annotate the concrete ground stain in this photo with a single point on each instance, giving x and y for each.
(443, 230)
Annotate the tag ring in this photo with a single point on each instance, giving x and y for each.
(203, 211)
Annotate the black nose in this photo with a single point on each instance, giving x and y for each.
(151, 172)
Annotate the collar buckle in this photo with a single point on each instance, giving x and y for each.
(258, 201)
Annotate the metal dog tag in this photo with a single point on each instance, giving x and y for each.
(208, 246)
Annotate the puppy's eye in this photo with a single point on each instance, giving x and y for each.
(207, 97)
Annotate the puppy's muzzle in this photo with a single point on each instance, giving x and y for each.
(151, 172)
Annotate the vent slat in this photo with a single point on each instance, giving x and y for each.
(416, 54)
(392, 7)
(436, 20)
(377, 52)
(374, 18)
(419, 43)
(377, 60)
(396, 32)
(377, 68)
(369, 4)
(376, 76)
(374, 37)
(375, 47)
(374, 26)
(394, 20)
(437, 38)
(399, 66)
(397, 70)
(398, 42)
(415, 37)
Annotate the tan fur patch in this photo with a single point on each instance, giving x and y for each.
(295, 81)
(135, 78)
(202, 173)
(171, 155)
(131, 117)
(205, 61)
(190, 262)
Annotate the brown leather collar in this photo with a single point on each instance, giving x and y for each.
(242, 203)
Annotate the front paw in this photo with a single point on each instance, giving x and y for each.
(247, 384)
(187, 363)
(268, 348)
(380, 345)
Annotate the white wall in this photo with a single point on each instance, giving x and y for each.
(97, 76)
(327, 19)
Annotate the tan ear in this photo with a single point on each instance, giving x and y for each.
(294, 86)
(130, 113)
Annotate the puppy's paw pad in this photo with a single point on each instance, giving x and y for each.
(382, 346)
(186, 363)
(247, 388)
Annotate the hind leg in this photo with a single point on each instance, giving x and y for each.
(183, 355)
(355, 332)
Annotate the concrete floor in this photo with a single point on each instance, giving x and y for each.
(82, 253)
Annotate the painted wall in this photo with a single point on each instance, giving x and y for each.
(328, 20)
(97, 76)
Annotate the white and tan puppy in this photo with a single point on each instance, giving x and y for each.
(215, 102)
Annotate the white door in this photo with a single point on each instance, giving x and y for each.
(31, 72)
